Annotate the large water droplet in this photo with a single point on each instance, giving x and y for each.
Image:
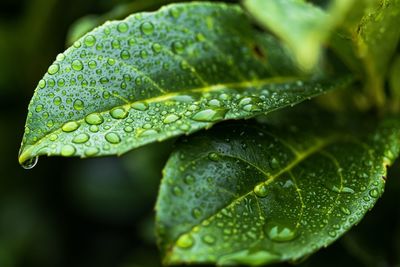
(142, 106)
(70, 126)
(30, 163)
(53, 69)
(279, 233)
(170, 118)
(185, 241)
(147, 27)
(67, 150)
(113, 138)
(209, 115)
(94, 119)
(91, 151)
(261, 190)
(81, 138)
(118, 113)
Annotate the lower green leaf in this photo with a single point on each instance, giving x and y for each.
(263, 193)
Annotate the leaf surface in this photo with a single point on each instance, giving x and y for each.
(157, 75)
(255, 194)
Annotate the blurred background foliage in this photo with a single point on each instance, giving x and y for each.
(99, 212)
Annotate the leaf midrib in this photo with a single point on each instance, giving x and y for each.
(25, 155)
(299, 157)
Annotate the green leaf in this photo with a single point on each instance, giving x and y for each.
(157, 75)
(262, 193)
(376, 38)
(303, 26)
(394, 83)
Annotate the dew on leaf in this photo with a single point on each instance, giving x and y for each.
(142, 106)
(118, 113)
(209, 115)
(261, 190)
(91, 151)
(81, 138)
(185, 241)
(170, 118)
(67, 150)
(122, 27)
(94, 118)
(77, 65)
(70, 126)
(279, 233)
(90, 40)
(208, 239)
(147, 28)
(78, 104)
(53, 69)
(112, 138)
(374, 193)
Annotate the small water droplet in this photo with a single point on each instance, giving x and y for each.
(170, 118)
(209, 115)
(208, 239)
(53, 69)
(332, 233)
(177, 191)
(347, 190)
(185, 241)
(67, 150)
(118, 113)
(30, 163)
(279, 233)
(156, 47)
(90, 40)
(196, 212)
(39, 108)
(122, 27)
(213, 156)
(178, 47)
(274, 163)
(78, 104)
(125, 55)
(42, 83)
(148, 132)
(142, 106)
(147, 27)
(128, 129)
(57, 100)
(345, 210)
(112, 138)
(81, 138)
(374, 193)
(261, 190)
(77, 65)
(70, 126)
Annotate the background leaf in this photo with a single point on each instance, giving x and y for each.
(303, 26)
(261, 193)
(149, 78)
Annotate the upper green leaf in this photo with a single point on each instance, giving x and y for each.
(157, 75)
(303, 26)
(261, 193)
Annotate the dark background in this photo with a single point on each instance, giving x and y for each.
(99, 212)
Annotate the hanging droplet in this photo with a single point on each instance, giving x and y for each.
(30, 163)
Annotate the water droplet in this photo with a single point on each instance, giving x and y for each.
(42, 83)
(111, 61)
(189, 180)
(208, 239)
(214, 103)
(90, 40)
(81, 138)
(274, 163)
(122, 27)
(94, 119)
(78, 104)
(77, 65)
(196, 212)
(67, 150)
(148, 132)
(177, 191)
(94, 128)
(39, 108)
(209, 115)
(91, 151)
(92, 64)
(60, 57)
(332, 233)
(345, 210)
(53, 137)
(170, 118)
(57, 100)
(156, 48)
(279, 233)
(178, 47)
(185, 241)
(374, 193)
(174, 12)
(213, 156)
(261, 190)
(53, 69)
(70, 126)
(118, 113)
(142, 106)
(147, 27)
(125, 55)
(77, 44)
(30, 163)
(113, 138)
(347, 190)
(128, 129)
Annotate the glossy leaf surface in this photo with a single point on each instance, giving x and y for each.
(255, 194)
(157, 75)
